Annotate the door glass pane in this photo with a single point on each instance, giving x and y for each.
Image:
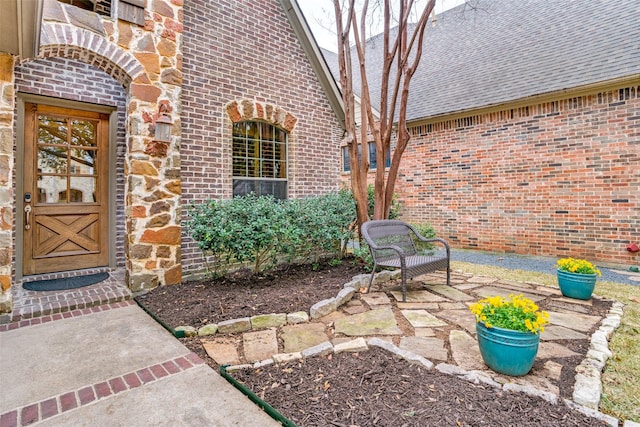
(52, 189)
(52, 159)
(52, 130)
(83, 162)
(83, 132)
(82, 189)
(66, 155)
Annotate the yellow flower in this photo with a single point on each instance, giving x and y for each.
(516, 313)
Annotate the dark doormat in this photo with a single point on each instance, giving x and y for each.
(65, 283)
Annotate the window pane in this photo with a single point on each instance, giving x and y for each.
(259, 151)
(346, 166)
(242, 187)
(82, 189)
(239, 147)
(239, 167)
(373, 161)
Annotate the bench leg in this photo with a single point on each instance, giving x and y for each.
(373, 272)
(404, 286)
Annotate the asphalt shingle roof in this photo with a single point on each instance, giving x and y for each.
(487, 52)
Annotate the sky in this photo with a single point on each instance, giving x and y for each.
(319, 15)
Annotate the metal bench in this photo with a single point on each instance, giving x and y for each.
(392, 245)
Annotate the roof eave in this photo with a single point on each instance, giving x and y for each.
(633, 79)
(317, 61)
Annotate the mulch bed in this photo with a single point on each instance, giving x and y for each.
(370, 388)
(286, 290)
(376, 388)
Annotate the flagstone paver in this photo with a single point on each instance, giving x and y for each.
(260, 345)
(424, 332)
(462, 318)
(450, 293)
(431, 348)
(490, 291)
(223, 351)
(465, 351)
(552, 369)
(418, 296)
(482, 279)
(453, 306)
(537, 381)
(422, 319)
(375, 322)
(354, 307)
(467, 286)
(301, 336)
(376, 299)
(576, 321)
(418, 305)
(561, 333)
(563, 305)
(551, 350)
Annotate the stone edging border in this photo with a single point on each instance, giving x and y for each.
(587, 387)
(274, 320)
(360, 344)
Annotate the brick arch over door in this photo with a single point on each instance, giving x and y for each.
(61, 40)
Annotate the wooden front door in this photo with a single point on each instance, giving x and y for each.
(65, 200)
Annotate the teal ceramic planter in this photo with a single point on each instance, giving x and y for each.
(507, 352)
(577, 286)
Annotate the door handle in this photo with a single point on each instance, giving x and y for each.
(27, 211)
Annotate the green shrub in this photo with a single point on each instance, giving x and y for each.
(361, 252)
(427, 231)
(260, 230)
(243, 229)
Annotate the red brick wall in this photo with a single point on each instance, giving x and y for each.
(244, 49)
(77, 81)
(559, 179)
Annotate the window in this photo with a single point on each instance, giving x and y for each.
(373, 162)
(259, 159)
(101, 7)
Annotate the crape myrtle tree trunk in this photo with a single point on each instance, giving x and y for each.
(402, 54)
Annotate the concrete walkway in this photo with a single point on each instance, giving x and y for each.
(111, 365)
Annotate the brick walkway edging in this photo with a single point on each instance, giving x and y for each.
(64, 315)
(74, 399)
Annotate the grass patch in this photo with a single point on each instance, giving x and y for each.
(620, 379)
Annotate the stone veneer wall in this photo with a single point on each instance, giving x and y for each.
(6, 178)
(560, 178)
(243, 60)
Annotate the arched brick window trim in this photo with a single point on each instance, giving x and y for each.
(246, 109)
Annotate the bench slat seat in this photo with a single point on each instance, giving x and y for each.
(391, 243)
